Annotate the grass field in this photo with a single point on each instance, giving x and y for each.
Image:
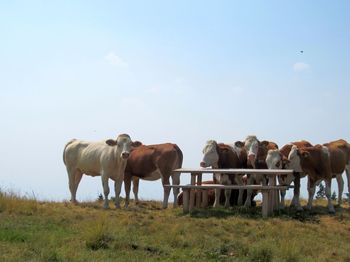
(50, 231)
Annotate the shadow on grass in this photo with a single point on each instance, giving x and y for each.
(253, 212)
(289, 213)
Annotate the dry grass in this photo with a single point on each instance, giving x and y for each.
(49, 231)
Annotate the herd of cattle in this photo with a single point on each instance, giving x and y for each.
(125, 160)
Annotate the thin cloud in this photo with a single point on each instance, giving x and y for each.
(115, 60)
(300, 67)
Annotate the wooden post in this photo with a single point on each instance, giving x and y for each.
(199, 191)
(271, 198)
(186, 201)
(192, 191)
(265, 203)
(277, 196)
(205, 198)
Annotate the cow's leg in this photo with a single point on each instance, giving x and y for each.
(311, 187)
(74, 177)
(347, 169)
(217, 178)
(328, 195)
(127, 187)
(117, 189)
(248, 201)
(104, 178)
(217, 198)
(225, 180)
(340, 182)
(239, 181)
(176, 181)
(165, 181)
(135, 188)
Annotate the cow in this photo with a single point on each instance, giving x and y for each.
(225, 156)
(105, 158)
(315, 161)
(278, 159)
(340, 160)
(256, 159)
(153, 162)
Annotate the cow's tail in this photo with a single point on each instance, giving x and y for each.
(180, 155)
(64, 150)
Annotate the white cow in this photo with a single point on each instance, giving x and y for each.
(105, 158)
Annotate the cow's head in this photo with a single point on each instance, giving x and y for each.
(274, 159)
(294, 160)
(210, 154)
(251, 144)
(123, 144)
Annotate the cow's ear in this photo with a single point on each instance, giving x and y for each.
(305, 154)
(111, 142)
(264, 143)
(239, 144)
(136, 144)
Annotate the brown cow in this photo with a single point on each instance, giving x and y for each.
(256, 158)
(315, 162)
(225, 156)
(340, 160)
(152, 162)
(278, 159)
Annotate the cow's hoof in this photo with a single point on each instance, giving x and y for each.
(308, 208)
(299, 208)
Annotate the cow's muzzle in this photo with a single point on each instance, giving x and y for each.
(203, 164)
(125, 155)
(251, 159)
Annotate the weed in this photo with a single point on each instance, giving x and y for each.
(98, 235)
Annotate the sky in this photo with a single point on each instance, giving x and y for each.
(165, 71)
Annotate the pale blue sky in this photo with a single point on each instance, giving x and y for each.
(181, 71)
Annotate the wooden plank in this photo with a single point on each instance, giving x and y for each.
(218, 186)
(192, 191)
(268, 172)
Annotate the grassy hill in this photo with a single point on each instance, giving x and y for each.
(49, 231)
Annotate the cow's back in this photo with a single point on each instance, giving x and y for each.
(338, 155)
(342, 145)
(228, 158)
(146, 159)
(285, 150)
(89, 156)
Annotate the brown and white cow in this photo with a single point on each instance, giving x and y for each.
(106, 159)
(315, 161)
(153, 162)
(278, 159)
(256, 159)
(225, 156)
(340, 160)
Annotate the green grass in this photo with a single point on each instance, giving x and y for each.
(49, 231)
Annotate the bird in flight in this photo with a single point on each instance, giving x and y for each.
(301, 51)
